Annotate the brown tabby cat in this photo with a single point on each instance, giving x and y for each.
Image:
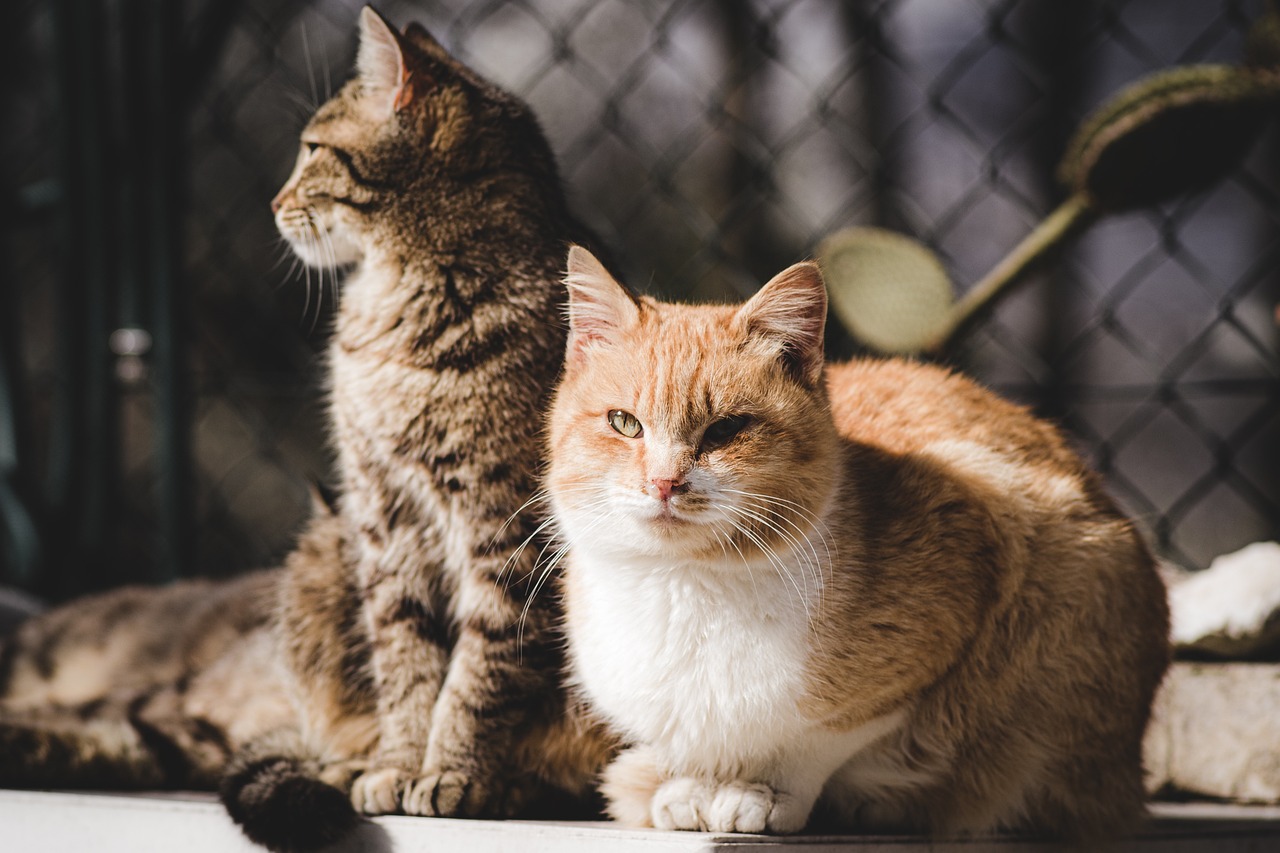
(873, 588)
(140, 688)
(422, 676)
(427, 676)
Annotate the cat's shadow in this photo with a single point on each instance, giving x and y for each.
(368, 837)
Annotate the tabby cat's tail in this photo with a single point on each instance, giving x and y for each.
(273, 790)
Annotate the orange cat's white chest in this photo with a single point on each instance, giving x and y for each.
(704, 664)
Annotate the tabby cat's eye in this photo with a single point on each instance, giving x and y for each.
(721, 432)
(311, 147)
(625, 423)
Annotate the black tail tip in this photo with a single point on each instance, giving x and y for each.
(283, 808)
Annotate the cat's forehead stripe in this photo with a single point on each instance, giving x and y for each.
(684, 351)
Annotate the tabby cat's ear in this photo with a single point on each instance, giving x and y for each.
(425, 42)
(789, 315)
(386, 63)
(599, 307)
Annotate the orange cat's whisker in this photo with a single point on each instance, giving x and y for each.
(548, 568)
(745, 562)
(804, 514)
(777, 563)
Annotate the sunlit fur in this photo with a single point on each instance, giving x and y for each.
(427, 680)
(893, 601)
(140, 687)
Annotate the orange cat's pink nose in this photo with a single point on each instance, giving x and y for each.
(662, 488)
(276, 202)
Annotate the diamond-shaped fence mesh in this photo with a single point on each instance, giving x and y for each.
(710, 142)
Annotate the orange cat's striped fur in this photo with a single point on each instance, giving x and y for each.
(869, 594)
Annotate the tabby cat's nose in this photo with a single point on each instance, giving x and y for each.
(276, 203)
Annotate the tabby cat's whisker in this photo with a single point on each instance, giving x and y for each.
(311, 74)
(298, 100)
(284, 252)
(306, 289)
(328, 82)
(331, 264)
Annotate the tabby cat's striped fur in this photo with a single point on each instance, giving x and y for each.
(408, 667)
(427, 674)
(140, 688)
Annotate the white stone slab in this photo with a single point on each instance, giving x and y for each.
(43, 822)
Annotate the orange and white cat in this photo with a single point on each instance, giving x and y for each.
(869, 595)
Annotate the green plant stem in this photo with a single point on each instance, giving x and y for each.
(1070, 218)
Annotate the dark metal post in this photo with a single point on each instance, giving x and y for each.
(82, 442)
(166, 111)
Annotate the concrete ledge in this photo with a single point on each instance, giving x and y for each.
(44, 822)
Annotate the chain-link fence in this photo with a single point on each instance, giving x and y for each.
(710, 142)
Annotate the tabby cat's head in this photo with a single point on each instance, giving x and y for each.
(695, 431)
(401, 157)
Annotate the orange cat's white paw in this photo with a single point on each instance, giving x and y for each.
(379, 790)
(725, 807)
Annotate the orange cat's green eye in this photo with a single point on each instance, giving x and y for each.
(625, 423)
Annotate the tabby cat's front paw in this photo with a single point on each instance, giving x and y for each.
(735, 806)
(379, 791)
(454, 793)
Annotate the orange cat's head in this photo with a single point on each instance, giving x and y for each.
(695, 431)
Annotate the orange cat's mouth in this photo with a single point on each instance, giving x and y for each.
(667, 517)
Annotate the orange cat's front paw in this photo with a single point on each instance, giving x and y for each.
(379, 791)
(734, 806)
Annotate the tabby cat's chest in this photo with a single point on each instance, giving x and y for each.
(384, 393)
(709, 666)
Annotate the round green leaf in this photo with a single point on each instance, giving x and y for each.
(888, 290)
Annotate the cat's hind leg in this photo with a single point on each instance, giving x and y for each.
(59, 748)
(143, 742)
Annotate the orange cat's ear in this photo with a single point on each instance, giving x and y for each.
(386, 64)
(599, 307)
(790, 315)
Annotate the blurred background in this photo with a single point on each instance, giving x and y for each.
(161, 404)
